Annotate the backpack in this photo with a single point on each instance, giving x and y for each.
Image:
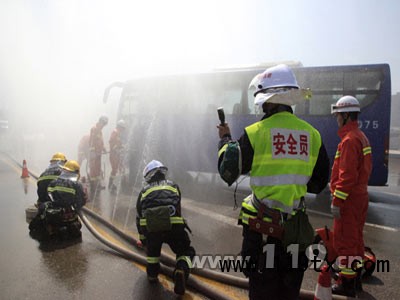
(231, 165)
(158, 219)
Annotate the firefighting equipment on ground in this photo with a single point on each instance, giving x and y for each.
(166, 260)
(343, 285)
(167, 266)
(323, 289)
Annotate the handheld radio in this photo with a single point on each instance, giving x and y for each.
(221, 115)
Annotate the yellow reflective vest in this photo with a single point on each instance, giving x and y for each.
(286, 149)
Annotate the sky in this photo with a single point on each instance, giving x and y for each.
(57, 57)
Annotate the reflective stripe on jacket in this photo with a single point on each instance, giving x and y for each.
(67, 191)
(248, 211)
(52, 172)
(160, 193)
(285, 152)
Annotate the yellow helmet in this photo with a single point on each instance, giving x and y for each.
(72, 166)
(59, 156)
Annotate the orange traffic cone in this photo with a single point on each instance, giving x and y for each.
(323, 289)
(25, 173)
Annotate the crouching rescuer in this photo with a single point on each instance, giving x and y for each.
(286, 159)
(58, 218)
(159, 220)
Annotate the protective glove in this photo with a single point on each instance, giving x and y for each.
(335, 210)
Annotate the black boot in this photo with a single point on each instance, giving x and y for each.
(359, 281)
(180, 282)
(110, 182)
(345, 287)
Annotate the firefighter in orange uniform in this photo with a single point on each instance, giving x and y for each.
(83, 149)
(96, 149)
(349, 181)
(116, 152)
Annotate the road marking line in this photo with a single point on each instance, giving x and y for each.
(225, 219)
(388, 228)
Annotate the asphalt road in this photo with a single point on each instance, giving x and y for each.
(90, 270)
(84, 270)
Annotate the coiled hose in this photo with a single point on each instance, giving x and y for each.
(169, 261)
(210, 274)
(168, 271)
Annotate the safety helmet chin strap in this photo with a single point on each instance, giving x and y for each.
(344, 117)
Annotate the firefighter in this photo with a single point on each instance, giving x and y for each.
(59, 219)
(159, 220)
(286, 158)
(51, 173)
(96, 149)
(348, 185)
(116, 152)
(83, 149)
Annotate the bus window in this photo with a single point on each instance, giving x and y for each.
(230, 100)
(330, 84)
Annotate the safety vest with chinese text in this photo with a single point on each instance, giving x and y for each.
(285, 152)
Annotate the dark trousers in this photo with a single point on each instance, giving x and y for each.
(281, 281)
(178, 240)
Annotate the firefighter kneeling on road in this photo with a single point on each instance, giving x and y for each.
(51, 173)
(159, 220)
(59, 219)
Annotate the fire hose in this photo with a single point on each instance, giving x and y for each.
(210, 274)
(168, 261)
(168, 271)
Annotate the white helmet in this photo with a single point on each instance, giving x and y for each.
(121, 123)
(103, 120)
(277, 84)
(152, 168)
(346, 104)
